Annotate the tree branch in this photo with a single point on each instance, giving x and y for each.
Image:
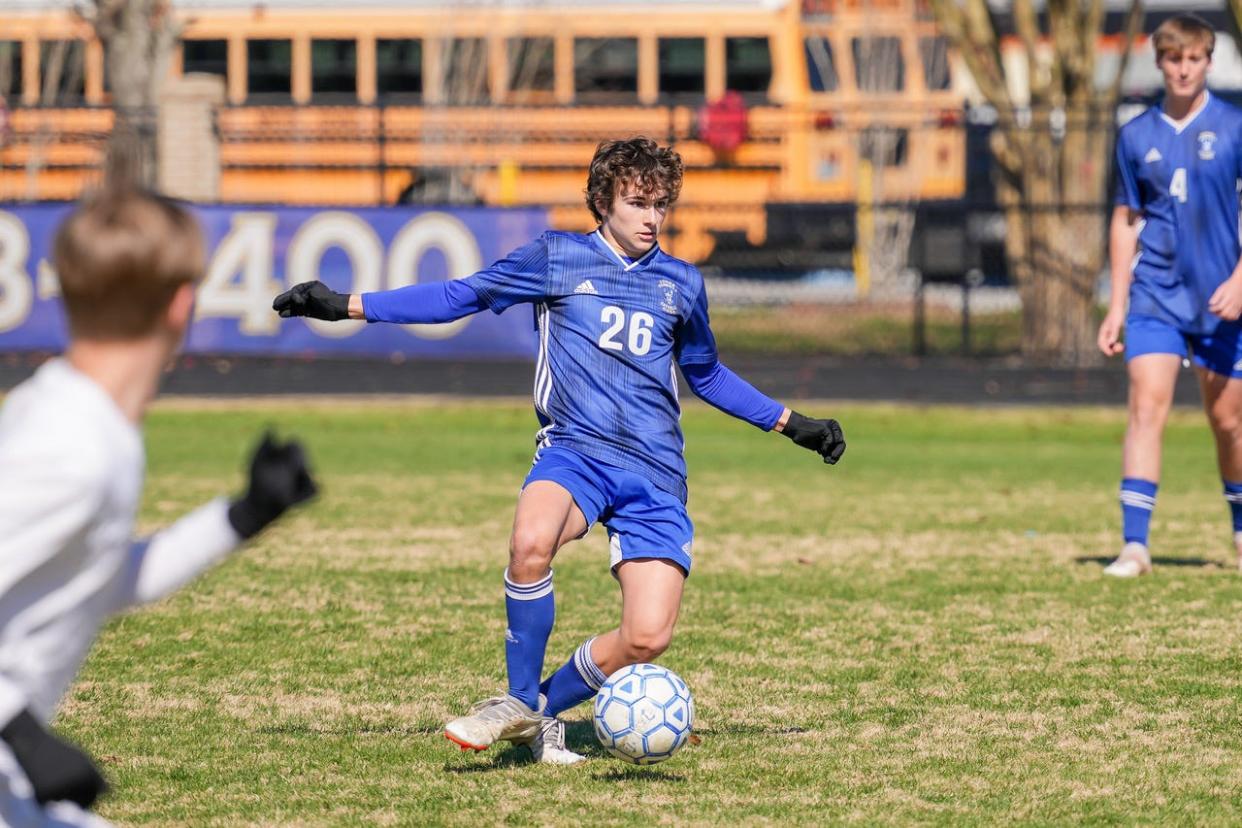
(1025, 23)
(1134, 22)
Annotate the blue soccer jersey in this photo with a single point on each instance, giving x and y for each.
(611, 334)
(1184, 178)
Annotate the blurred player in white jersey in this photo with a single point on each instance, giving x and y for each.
(71, 473)
(1174, 258)
(617, 316)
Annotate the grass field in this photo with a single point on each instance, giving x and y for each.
(919, 635)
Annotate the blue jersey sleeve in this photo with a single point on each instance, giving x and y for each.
(1127, 187)
(522, 276)
(715, 384)
(711, 380)
(426, 303)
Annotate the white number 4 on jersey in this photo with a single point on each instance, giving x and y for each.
(1177, 185)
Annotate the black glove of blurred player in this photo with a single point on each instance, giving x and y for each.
(823, 437)
(59, 771)
(279, 478)
(313, 299)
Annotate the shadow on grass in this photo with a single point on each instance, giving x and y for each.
(638, 775)
(1203, 563)
(296, 728)
(749, 730)
(580, 738)
(508, 757)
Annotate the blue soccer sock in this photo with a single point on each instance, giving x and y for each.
(531, 609)
(1138, 498)
(1233, 496)
(578, 680)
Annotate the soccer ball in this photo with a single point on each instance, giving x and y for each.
(643, 714)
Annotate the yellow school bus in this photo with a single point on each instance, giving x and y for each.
(768, 101)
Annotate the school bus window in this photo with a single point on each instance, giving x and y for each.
(399, 68)
(878, 64)
(605, 68)
(682, 64)
(464, 61)
(62, 71)
(10, 69)
(532, 67)
(748, 64)
(334, 68)
(269, 67)
(821, 69)
(207, 56)
(935, 54)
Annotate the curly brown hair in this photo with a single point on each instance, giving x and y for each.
(636, 162)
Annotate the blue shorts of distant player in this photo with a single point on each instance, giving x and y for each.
(1219, 352)
(643, 520)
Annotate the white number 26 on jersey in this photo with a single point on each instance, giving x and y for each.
(1177, 184)
(639, 336)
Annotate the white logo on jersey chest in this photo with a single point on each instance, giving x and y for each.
(1153, 155)
(668, 299)
(585, 286)
(1207, 145)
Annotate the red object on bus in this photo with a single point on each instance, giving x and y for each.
(723, 124)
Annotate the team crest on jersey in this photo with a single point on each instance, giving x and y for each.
(1207, 145)
(669, 302)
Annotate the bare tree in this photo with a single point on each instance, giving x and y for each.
(138, 38)
(1053, 147)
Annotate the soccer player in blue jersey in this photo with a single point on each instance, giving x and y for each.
(616, 317)
(1174, 254)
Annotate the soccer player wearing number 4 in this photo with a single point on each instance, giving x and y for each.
(1174, 254)
(616, 317)
(71, 467)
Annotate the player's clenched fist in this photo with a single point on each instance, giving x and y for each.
(824, 437)
(313, 299)
(1109, 337)
(279, 478)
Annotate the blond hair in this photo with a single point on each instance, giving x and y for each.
(121, 255)
(1180, 32)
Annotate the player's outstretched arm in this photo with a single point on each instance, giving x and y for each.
(278, 479)
(58, 771)
(824, 437)
(427, 303)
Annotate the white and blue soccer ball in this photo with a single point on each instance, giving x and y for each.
(643, 713)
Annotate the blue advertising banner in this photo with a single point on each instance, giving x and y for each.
(255, 253)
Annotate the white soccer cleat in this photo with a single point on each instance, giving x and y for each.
(494, 720)
(548, 745)
(1133, 561)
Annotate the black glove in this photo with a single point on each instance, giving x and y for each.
(313, 299)
(823, 437)
(279, 479)
(58, 770)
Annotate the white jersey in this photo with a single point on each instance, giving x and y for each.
(71, 474)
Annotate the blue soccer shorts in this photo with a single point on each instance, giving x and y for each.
(1219, 352)
(643, 520)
